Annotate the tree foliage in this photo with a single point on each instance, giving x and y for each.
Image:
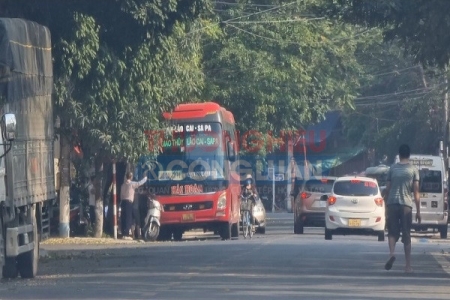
(411, 110)
(118, 64)
(279, 67)
(399, 102)
(422, 26)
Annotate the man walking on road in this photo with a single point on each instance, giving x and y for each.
(402, 187)
(127, 198)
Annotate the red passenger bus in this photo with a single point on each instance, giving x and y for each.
(196, 177)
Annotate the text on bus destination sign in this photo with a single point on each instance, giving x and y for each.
(194, 140)
(191, 128)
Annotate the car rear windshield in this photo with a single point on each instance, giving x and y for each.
(319, 185)
(355, 188)
(430, 181)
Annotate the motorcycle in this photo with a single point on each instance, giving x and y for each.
(152, 223)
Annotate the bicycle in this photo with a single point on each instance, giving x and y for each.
(246, 218)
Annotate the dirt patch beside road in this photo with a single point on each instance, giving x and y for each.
(87, 241)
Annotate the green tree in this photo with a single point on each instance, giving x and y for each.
(118, 64)
(422, 26)
(280, 68)
(405, 103)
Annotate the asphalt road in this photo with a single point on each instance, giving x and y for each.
(277, 265)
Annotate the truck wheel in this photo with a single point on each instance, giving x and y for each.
(10, 268)
(27, 262)
(443, 231)
(9, 264)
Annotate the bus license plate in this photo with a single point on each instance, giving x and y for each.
(187, 217)
(354, 222)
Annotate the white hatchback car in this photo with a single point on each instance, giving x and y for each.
(355, 206)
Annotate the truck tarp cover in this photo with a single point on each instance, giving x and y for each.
(26, 70)
(25, 57)
(26, 83)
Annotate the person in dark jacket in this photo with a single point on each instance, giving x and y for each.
(249, 192)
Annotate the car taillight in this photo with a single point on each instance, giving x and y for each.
(305, 195)
(331, 200)
(379, 201)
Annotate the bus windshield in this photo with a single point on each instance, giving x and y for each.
(192, 152)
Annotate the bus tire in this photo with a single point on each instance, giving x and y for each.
(177, 235)
(225, 232)
(235, 230)
(164, 234)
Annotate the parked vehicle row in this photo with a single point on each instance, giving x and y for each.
(355, 204)
(342, 205)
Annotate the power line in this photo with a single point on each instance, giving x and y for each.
(277, 21)
(246, 4)
(257, 35)
(396, 71)
(240, 17)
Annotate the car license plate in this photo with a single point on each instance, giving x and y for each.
(187, 217)
(354, 222)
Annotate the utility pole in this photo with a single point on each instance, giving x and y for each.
(114, 188)
(446, 124)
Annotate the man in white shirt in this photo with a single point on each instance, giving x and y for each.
(127, 198)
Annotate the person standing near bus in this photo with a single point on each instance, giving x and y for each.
(402, 190)
(127, 198)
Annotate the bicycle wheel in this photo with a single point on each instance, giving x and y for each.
(245, 224)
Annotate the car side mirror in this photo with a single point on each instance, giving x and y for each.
(324, 198)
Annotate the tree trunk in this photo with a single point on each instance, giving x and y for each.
(98, 230)
(64, 189)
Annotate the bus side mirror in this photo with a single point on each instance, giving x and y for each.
(231, 151)
(9, 127)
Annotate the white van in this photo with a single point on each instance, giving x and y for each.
(433, 193)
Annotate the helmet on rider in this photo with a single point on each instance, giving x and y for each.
(248, 180)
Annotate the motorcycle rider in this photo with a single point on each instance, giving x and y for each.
(249, 192)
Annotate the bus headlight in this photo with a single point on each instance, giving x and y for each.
(222, 202)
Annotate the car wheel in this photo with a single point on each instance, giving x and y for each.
(381, 236)
(298, 226)
(328, 235)
(443, 231)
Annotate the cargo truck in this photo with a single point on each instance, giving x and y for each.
(27, 183)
